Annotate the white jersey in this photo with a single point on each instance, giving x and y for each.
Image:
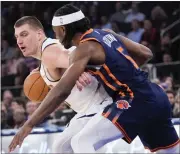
(87, 100)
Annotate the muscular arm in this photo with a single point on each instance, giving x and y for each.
(55, 56)
(139, 52)
(62, 90)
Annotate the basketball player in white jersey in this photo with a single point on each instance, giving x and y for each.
(54, 58)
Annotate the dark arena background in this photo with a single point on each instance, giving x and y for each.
(153, 24)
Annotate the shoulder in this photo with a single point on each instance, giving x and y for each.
(51, 52)
(47, 42)
(88, 46)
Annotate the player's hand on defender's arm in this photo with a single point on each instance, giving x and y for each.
(83, 81)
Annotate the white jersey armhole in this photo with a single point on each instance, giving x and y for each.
(47, 42)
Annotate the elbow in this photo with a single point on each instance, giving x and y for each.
(149, 54)
(146, 53)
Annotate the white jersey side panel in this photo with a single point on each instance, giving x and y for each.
(79, 101)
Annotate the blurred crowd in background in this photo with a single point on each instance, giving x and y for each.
(143, 22)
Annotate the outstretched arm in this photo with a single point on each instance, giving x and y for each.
(62, 90)
(58, 94)
(139, 52)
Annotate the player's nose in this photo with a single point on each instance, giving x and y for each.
(19, 41)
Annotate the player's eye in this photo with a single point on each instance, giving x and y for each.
(24, 34)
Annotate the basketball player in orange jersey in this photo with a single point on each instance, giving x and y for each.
(54, 59)
(139, 108)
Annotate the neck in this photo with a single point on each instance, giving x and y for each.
(39, 52)
(76, 39)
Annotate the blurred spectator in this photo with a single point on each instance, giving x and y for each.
(166, 42)
(105, 24)
(7, 98)
(167, 84)
(93, 15)
(31, 63)
(136, 32)
(7, 52)
(118, 16)
(158, 13)
(135, 14)
(164, 47)
(4, 124)
(158, 16)
(11, 66)
(31, 107)
(19, 117)
(4, 70)
(175, 107)
(156, 81)
(177, 101)
(150, 35)
(57, 112)
(116, 29)
(7, 101)
(63, 114)
(22, 73)
(145, 43)
(18, 103)
(167, 58)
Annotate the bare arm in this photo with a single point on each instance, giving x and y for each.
(62, 90)
(139, 52)
(57, 95)
(55, 56)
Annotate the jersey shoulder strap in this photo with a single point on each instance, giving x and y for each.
(47, 42)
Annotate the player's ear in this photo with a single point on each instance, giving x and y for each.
(39, 34)
(64, 30)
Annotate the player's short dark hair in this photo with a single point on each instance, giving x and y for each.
(71, 29)
(30, 20)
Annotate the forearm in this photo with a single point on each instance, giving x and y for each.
(57, 95)
(140, 53)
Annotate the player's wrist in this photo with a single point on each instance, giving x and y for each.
(28, 124)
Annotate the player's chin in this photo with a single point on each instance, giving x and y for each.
(26, 53)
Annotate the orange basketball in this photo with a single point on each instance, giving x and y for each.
(35, 88)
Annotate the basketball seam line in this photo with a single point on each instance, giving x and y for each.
(42, 91)
(33, 85)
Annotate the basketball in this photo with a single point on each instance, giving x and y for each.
(35, 88)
